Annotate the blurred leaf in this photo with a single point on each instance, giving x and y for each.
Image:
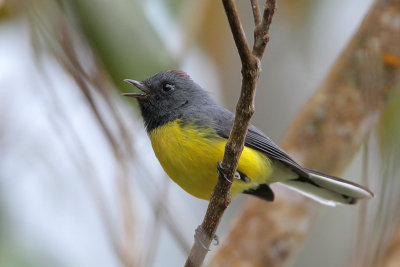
(390, 126)
(175, 7)
(9, 9)
(206, 26)
(123, 38)
(3, 10)
(299, 11)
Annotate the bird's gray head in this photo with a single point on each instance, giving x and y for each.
(167, 96)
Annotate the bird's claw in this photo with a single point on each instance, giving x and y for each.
(216, 239)
(200, 237)
(221, 171)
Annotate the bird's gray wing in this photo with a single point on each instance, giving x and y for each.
(256, 139)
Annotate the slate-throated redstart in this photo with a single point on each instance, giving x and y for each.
(188, 132)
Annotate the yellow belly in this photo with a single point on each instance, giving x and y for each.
(189, 156)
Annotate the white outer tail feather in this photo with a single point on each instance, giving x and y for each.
(328, 190)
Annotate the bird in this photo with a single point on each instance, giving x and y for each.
(188, 131)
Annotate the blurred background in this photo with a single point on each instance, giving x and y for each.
(79, 183)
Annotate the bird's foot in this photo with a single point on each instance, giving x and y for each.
(221, 171)
(200, 237)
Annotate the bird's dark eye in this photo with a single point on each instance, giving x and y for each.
(168, 87)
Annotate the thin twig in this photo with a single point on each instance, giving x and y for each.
(237, 30)
(261, 33)
(220, 197)
(256, 12)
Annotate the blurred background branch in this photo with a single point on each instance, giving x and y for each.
(326, 135)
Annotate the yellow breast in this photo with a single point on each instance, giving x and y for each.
(189, 155)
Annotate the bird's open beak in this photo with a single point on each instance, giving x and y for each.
(140, 86)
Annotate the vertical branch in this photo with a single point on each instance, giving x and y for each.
(261, 33)
(220, 197)
(237, 31)
(256, 12)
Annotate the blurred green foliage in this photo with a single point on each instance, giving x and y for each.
(390, 126)
(123, 38)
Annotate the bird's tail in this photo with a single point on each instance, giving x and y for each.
(328, 190)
